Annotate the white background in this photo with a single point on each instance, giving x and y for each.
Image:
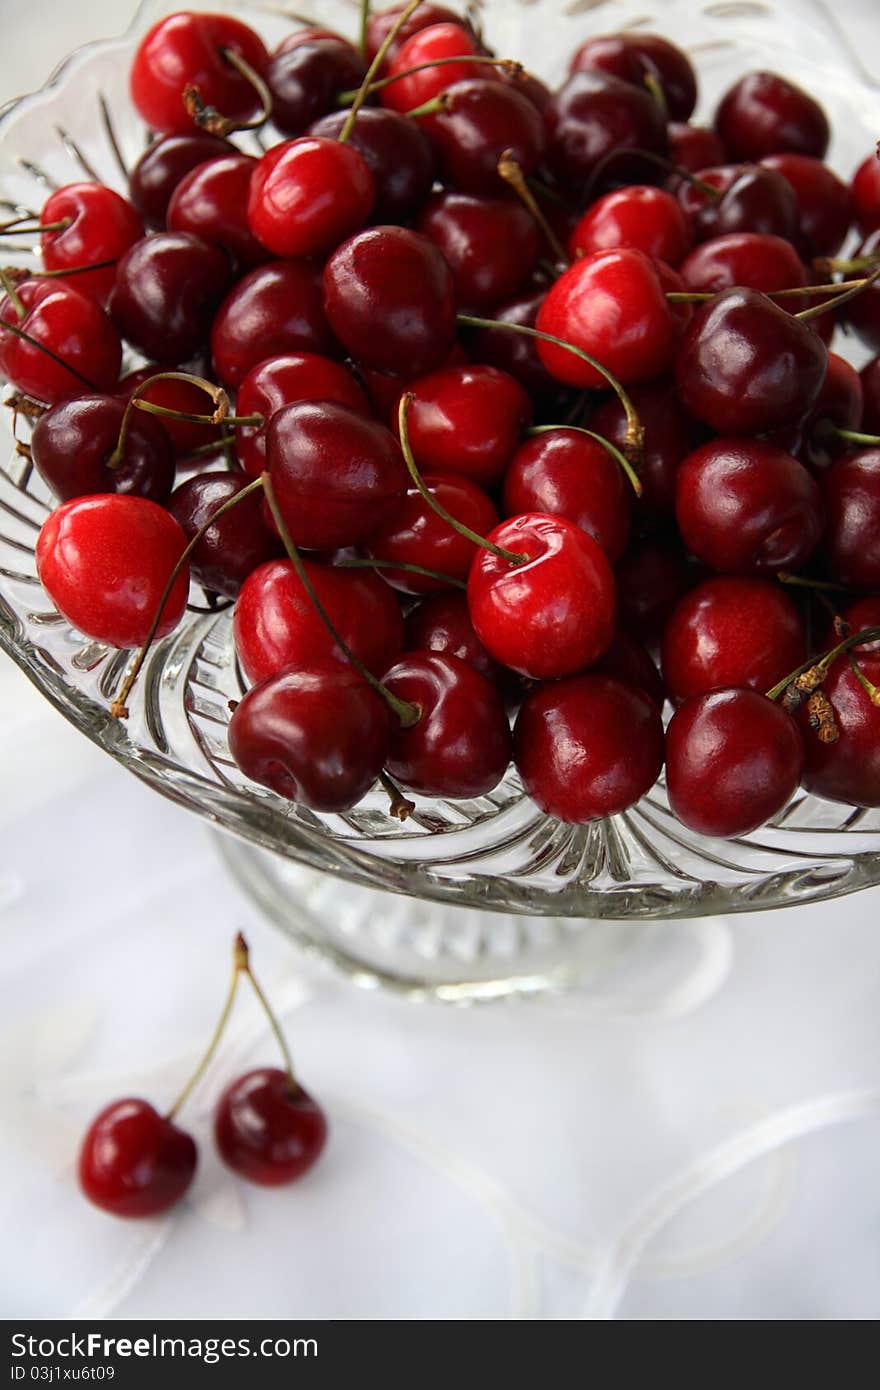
(699, 1137)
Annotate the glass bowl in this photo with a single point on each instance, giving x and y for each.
(509, 899)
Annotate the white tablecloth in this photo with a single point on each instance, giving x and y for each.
(697, 1138)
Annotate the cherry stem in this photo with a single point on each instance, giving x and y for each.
(610, 448)
(799, 581)
(251, 421)
(362, 35)
(217, 394)
(401, 807)
(850, 436)
(210, 119)
(363, 90)
(15, 228)
(292, 1082)
(239, 964)
(441, 102)
(793, 292)
(828, 265)
(20, 275)
(657, 92)
(852, 289)
(868, 686)
(510, 66)
(34, 342)
(868, 634)
(509, 169)
(407, 713)
(510, 556)
(368, 563)
(634, 431)
(118, 708)
(12, 295)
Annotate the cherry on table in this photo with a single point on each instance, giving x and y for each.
(72, 444)
(211, 201)
(284, 380)
(851, 494)
(640, 217)
(267, 1130)
(306, 79)
(594, 116)
(637, 58)
(492, 245)
(307, 195)
(71, 325)
(273, 310)
(102, 225)
(134, 1162)
(187, 49)
(564, 472)
(416, 535)
(399, 155)
(168, 288)
(481, 121)
(764, 113)
(467, 420)
(442, 623)
(163, 164)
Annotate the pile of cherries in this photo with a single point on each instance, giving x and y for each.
(530, 388)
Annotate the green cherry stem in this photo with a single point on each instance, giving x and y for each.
(821, 666)
(851, 289)
(6, 280)
(216, 393)
(868, 441)
(15, 227)
(247, 969)
(793, 292)
(362, 28)
(510, 170)
(239, 964)
(612, 449)
(368, 563)
(509, 66)
(364, 89)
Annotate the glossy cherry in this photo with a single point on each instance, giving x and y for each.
(694, 147)
(849, 769)
(467, 420)
(102, 226)
(866, 193)
(669, 435)
(637, 58)
(491, 245)
(442, 623)
(72, 443)
(851, 493)
(162, 166)
(167, 290)
(824, 201)
(640, 217)
(443, 40)
(752, 199)
(566, 473)
(300, 376)
(306, 80)
(211, 201)
(306, 195)
(183, 396)
(400, 158)
(594, 116)
(134, 1162)
(267, 1129)
(235, 544)
(751, 260)
(416, 535)
(764, 113)
(70, 324)
(588, 747)
(482, 120)
(839, 404)
(187, 49)
(381, 22)
(274, 310)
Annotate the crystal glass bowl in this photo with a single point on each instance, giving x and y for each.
(530, 890)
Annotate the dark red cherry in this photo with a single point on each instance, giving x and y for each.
(306, 80)
(694, 147)
(517, 353)
(669, 435)
(863, 312)
(731, 632)
(750, 260)
(866, 194)
(274, 310)
(651, 578)
(237, 542)
(337, 475)
(442, 623)
(317, 735)
(267, 1130)
(102, 226)
(745, 507)
(134, 1162)
(70, 324)
(187, 49)
(211, 202)
(482, 120)
(460, 745)
(824, 201)
(733, 761)
(848, 770)
(395, 277)
(186, 435)
(746, 366)
(753, 199)
(492, 245)
(72, 443)
(423, 48)
(276, 625)
(162, 166)
(306, 195)
(566, 473)
(467, 420)
(611, 305)
(870, 379)
(594, 116)
(381, 22)
(301, 376)
(552, 614)
(865, 612)
(399, 156)
(641, 217)
(167, 290)
(764, 113)
(105, 561)
(851, 493)
(838, 404)
(636, 57)
(309, 33)
(628, 660)
(416, 535)
(588, 747)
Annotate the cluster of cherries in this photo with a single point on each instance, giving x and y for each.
(529, 387)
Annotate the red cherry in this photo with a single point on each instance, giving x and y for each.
(764, 113)
(824, 201)
(460, 745)
(848, 770)
(745, 507)
(733, 761)
(565, 473)
(442, 623)
(104, 562)
(610, 304)
(866, 194)
(72, 443)
(552, 614)
(237, 542)
(400, 158)
(752, 260)
(211, 200)
(694, 147)
(309, 34)
(186, 435)
(467, 420)
(306, 195)
(669, 438)
(840, 403)
(267, 1132)
(863, 312)
(753, 199)
(276, 625)
(71, 325)
(594, 116)
(186, 49)
(851, 493)
(627, 660)
(273, 310)
(492, 245)
(640, 217)
(134, 1162)
(162, 166)
(651, 578)
(167, 290)
(416, 535)
(301, 376)
(426, 46)
(482, 120)
(636, 57)
(306, 79)
(731, 632)
(865, 612)
(870, 379)
(381, 22)
(588, 747)
(102, 228)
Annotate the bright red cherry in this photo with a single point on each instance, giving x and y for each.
(188, 49)
(416, 535)
(301, 376)
(551, 614)
(398, 153)
(274, 310)
(183, 396)
(694, 147)
(381, 22)
(848, 770)
(442, 623)
(266, 1130)
(306, 195)
(638, 58)
(733, 761)
(102, 226)
(306, 80)
(595, 116)
(566, 473)
(162, 166)
(167, 290)
(235, 544)
(492, 245)
(866, 194)
(482, 120)
(467, 420)
(764, 113)
(669, 437)
(134, 1162)
(104, 562)
(73, 327)
(752, 260)
(640, 217)
(72, 443)
(424, 47)
(851, 493)
(825, 203)
(211, 201)
(588, 747)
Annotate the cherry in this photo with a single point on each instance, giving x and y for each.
(134, 1162)
(588, 747)
(552, 614)
(480, 121)
(751, 260)
(307, 194)
(237, 542)
(694, 147)
(847, 770)
(442, 623)
(838, 404)
(627, 660)
(317, 735)
(460, 745)
(274, 310)
(594, 116)
(467, 420)
(745, 507)
(640, 217)
(637, 58)
(764, 113)
(168, 287)
(517, 353)
(731, 632)
(746, 366)
(651, 578)
(210, 202)
(870, 379)
(611, 305)
(162, 166)
(309, 34)
(276, 625)
(733, 761)
(267, 1130)
(851, 493)
(188, 49)
(182, 396)
(865, 612)
(669, 435)
(400, 158)
(72, 443)
(105, 561)
(102, 226)
(564, 472)
(427, 46)
(337, 476)
(87, 349)
(396, 278)
(301, 376)
(863, 312)
(381, 22)
(306, 79)
(753, 199)
(866, 194)
(492, 245)
(824, 200)
(416, 535)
